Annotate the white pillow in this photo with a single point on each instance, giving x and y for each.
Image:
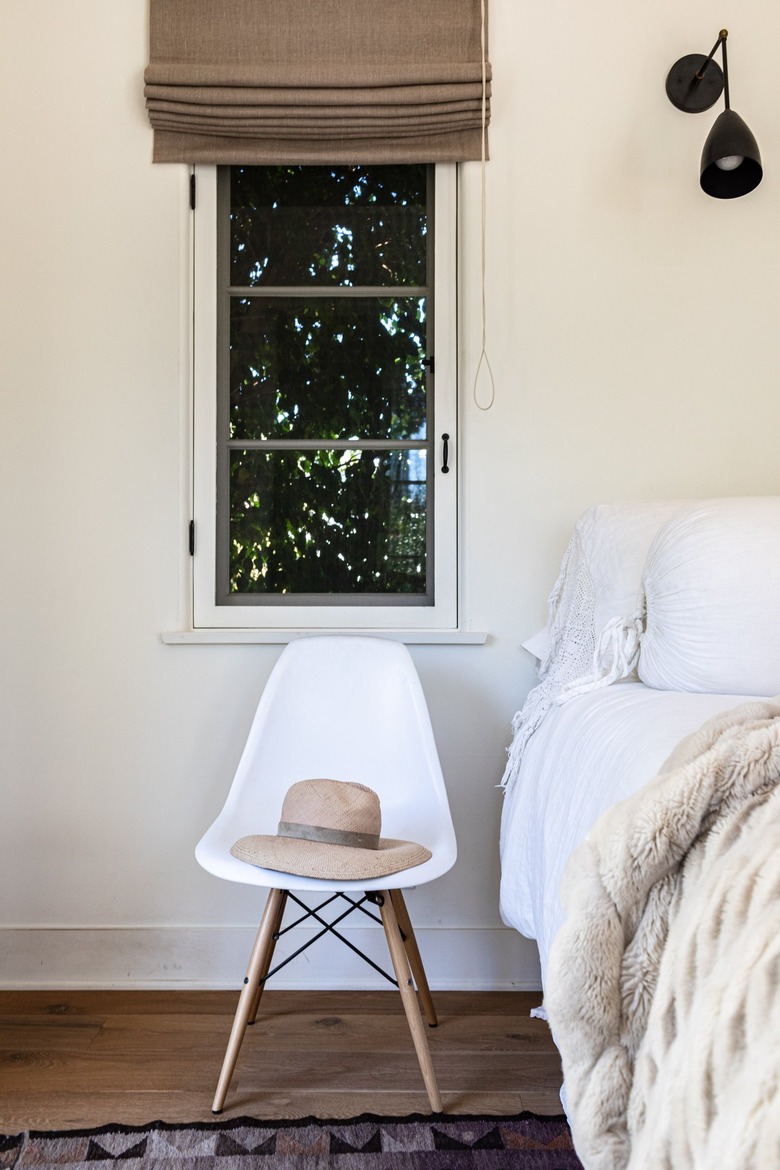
(712, 588)
(614, 542)
(591, 611)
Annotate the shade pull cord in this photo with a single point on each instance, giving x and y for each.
(484, 360)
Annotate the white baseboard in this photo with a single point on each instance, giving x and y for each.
(490, 958)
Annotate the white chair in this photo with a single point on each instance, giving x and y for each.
(342, 708)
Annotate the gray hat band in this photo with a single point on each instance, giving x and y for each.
(329, 836)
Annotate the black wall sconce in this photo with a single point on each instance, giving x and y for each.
(730, 161)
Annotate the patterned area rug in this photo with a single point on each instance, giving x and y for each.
(525, 1142)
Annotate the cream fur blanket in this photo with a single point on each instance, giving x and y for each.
(663, 988)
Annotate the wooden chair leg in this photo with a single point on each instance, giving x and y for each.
(267, 960)
(404, 976)
(246, 999)
(413, 953)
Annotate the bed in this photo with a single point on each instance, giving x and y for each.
(640, 834)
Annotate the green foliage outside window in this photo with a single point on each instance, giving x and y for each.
(325, 420)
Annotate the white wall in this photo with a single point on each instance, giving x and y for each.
(633, 340)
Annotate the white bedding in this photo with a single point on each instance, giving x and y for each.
(587, 754)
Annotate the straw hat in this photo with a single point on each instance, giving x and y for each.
(330, 829)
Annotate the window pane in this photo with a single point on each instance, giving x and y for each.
(327, 368)
(330, 522)
(324, 225)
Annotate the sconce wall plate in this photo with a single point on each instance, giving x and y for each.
(688, 94)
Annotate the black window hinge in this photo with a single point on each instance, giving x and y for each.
(192, 538)
(192, 192)
(429, 363)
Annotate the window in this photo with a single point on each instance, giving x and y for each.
(325, 384)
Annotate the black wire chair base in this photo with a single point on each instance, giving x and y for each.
(329, 927)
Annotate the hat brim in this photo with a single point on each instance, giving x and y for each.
(320, 859)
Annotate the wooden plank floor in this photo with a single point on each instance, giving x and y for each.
(85, 1058)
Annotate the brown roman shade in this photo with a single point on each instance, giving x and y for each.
(317, 81)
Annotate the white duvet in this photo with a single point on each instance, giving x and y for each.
(594, 750)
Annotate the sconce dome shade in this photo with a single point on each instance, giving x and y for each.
(730, 140)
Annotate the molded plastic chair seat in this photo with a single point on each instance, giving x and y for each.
(351, 708)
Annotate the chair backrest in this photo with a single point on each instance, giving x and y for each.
(339, 707)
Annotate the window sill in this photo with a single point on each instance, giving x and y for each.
(206, 637)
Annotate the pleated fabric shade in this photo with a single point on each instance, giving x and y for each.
(317, 81)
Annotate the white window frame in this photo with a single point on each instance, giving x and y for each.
(206, 614)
